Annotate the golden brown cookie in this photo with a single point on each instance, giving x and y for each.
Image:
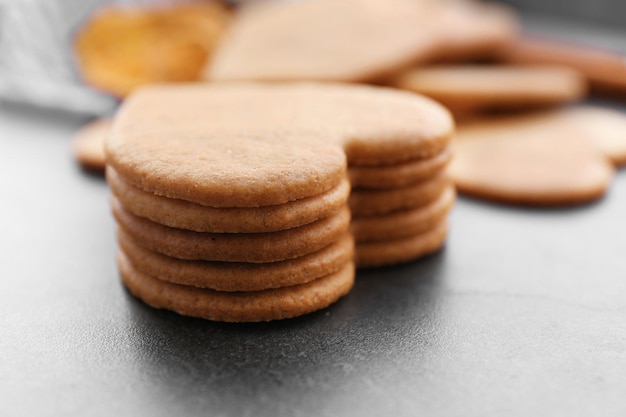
(403, 223)
(606, 70)
(532, 160)
(370, 202)
(255, 306)
(401, 174)
(238, 276)
(121, 47)
(88, 144)
(233, 247)
(482, 87)
(393, 251)
(189, 142)
(190, 216)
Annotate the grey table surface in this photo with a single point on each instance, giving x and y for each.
(523, 313)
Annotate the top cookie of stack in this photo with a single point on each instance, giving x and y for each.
(242, 190)
(269, 144)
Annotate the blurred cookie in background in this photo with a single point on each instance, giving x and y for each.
(123, 47)
(464, 88)
(605, 128)
(605, 69)
(540, 159)
(472, 30)
(355, 40)
(88, 144)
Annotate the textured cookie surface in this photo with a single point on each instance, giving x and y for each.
(255, 306)
(183, 214)
(189, 142)
(88, 144)
(534, 160)
(494, 87)
(238, 276)
(233, 247)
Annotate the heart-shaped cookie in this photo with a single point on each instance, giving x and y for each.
(543, 159)
(243, 190)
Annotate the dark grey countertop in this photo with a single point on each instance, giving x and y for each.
(522, 314)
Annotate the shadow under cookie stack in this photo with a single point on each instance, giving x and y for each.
(230, 210)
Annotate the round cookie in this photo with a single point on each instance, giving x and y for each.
(88, 144)
(369, 202)
(398, 175)
(394, 251)
(182, 214)
(233, 247)
(252, 306)
(474, 87)
(530, 160)
(403, 223)
(236, 276)
(251, 145)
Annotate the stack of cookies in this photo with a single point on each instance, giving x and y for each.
(233, 201)
(399, 210)
(233, 263)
